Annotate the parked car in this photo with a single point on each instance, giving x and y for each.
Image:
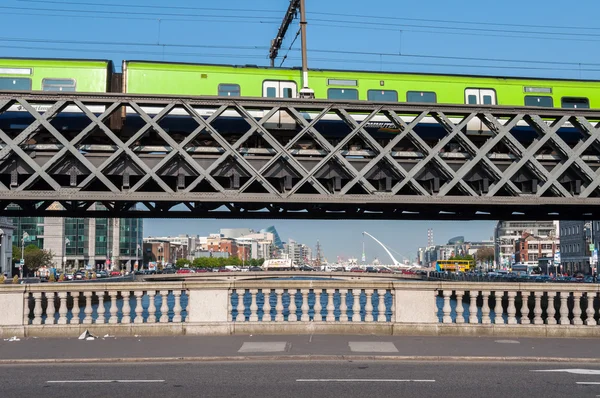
(115, 273)
(79, 275)
(185, 271)
(255, 269)
(102, 274)
(384, 270)
(306, 268)
(371, 270)
(357, 269)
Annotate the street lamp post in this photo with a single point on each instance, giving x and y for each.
(64, 267)
(25, 236)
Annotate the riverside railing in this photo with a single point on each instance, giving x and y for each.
(300, 306)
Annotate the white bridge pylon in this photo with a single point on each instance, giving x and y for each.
(396, 262)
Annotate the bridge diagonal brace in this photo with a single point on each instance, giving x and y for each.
(69, 146)
(432, 153)
(306, 129)
(572, 156)
(280, 150)
(477, 156)
(524, 155)
(335, 152)
(594, 133)
(230, 150)
(175, 149)
(386, 153)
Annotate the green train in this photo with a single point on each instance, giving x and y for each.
(142, 77)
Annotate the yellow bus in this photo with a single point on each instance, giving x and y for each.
(455, 265)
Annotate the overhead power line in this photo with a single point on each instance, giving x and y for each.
(149, 6)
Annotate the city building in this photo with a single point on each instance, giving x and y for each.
(101, 243)
(529, 249)
(157, 251)
(6, 237)
(507, 233)
(575, 240)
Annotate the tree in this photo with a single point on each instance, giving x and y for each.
(182, 262)
(16, 254)
(485, 254)
(36, 258)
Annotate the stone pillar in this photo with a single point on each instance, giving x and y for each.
(209, 305)
(415, 306)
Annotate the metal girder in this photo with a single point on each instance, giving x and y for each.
(333, 159)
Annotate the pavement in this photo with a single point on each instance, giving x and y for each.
(295, 347)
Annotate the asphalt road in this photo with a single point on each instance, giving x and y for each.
(301, 379)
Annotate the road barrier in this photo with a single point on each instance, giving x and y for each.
(300, 306)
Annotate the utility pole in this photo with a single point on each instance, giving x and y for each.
(305, 91)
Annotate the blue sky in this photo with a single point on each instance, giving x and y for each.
(512, 38)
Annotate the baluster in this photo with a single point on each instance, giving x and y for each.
(551, 311)
(88, 307)
(304, 317)
(511, 310)
(37, 309)
(391, 309)
(62, 309)
(126, 310)
(114, 310)
(485, 308)
(381, 313)
(293, 309)
(473, 306)
(101, 310)
(369, 305)
(50, 309)
(343, 305)
(318, 307)
(577, 309)
(253, 306)
(241, 306)
(279, 305)
(590, 309)
(139, 310)
(164, 306)
(75, 320)
(537, 310)
(564, 310)
(267, 306)
(151, 307)
(447, 308)
(177, 307)
(460, 318)
(26, 309)
(356, 305)
(330, 306)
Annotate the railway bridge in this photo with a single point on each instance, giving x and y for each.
(108, 155)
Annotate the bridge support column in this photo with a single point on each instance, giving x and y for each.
(415, 306)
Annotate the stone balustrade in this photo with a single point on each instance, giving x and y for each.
(300, 306)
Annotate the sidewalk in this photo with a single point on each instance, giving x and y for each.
(288, 347)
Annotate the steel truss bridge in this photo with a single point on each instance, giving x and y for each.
(208, 157)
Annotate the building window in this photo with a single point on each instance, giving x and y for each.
(58, 85)
(229, 90)
(340, 82)
(342, 93)
(15, 83)
(421, 96)
(575, 103)
(543, 101)
(382, 95)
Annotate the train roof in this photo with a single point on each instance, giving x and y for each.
(371, 71)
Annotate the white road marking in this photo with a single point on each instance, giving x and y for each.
(589, 382)
(507, 342)
(365, 380)
(105, 381)
(574, 371)
(372, 346)
(279, 346)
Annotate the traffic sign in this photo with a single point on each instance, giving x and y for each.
(22, 262)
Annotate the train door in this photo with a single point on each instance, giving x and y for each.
(480, 96)
(280, 89)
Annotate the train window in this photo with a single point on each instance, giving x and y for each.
(382, 95)
(288, 92)
(58, 85)
(543, 101)
(487, 100)
(15, 83)
(229, 90)
(421, 96)
(342, 93)
(578, 103)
